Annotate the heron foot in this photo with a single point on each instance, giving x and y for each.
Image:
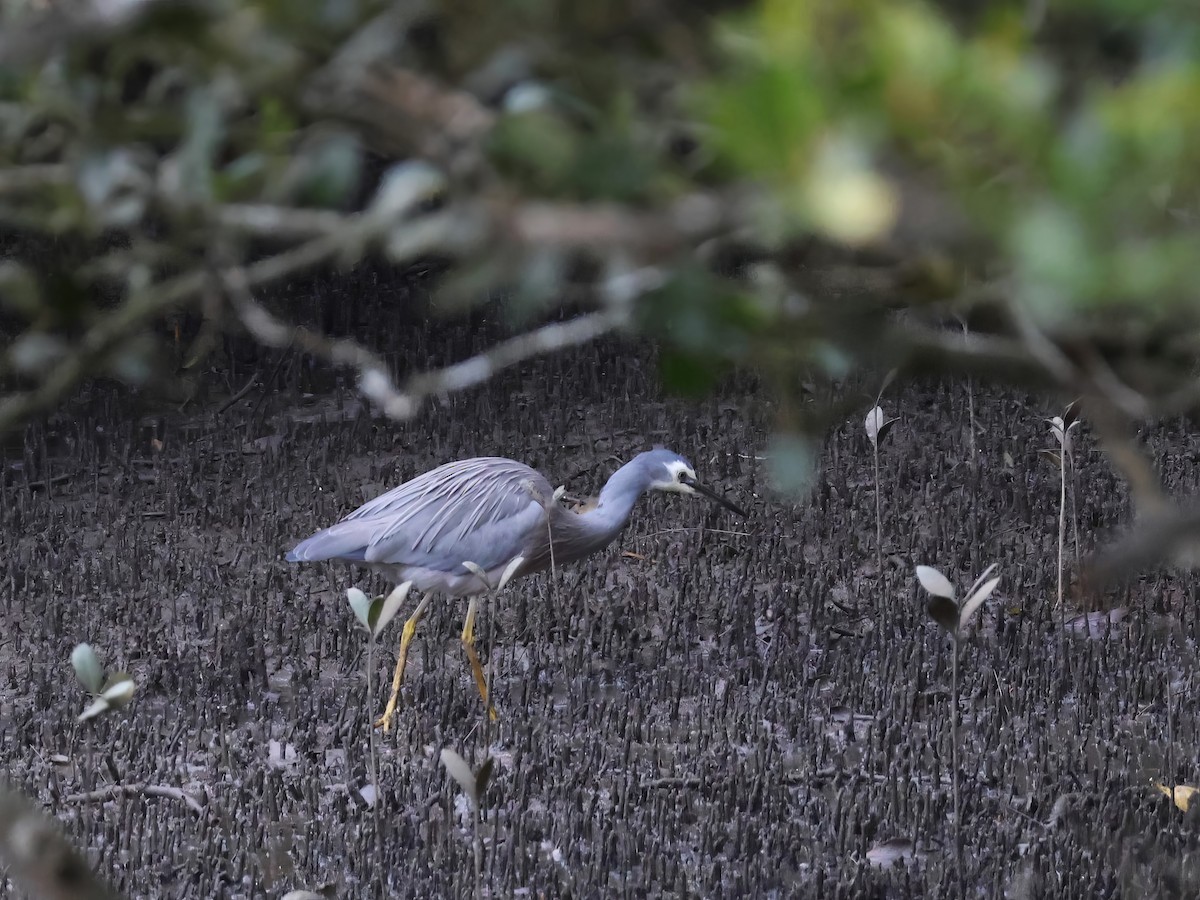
(406, 637)
(468, 641)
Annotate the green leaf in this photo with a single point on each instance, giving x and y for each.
(792, 463)
(19, 292)
(689, 374)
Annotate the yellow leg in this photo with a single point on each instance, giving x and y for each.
(410, 629)
(468, 640)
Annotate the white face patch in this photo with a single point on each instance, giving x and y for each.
(676, 468)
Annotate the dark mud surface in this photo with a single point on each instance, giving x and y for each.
(710, 708)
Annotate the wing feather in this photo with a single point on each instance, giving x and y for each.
(484, 510)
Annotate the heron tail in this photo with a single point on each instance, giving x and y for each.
(344, 541)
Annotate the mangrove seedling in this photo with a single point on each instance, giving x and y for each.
(108, 692)
(954, 618)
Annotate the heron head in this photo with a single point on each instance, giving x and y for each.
(671, 472)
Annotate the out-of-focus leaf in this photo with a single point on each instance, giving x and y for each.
(35, 353)
(19, 292)
(688, 374)
(1055, 262)
(87, 668)
(135, 360)
(331, 172)
(404, 187)
(846, 200)
(792, 463)
(537, 147)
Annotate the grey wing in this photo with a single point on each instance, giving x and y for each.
(484, 510)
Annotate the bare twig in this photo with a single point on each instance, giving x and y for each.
(375, 380)
(478, 369)
(139, 789)
(40, 859)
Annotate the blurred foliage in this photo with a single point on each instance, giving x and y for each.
(757, 184)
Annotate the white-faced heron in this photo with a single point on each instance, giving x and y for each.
(473, 525)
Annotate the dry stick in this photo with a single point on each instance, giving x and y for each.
(1075, 513)
(1062, 535)
(376, 382)
(958, 844)
(970, 408)
(878, 514)
(1170, 733)
(477, 806)
(139, 789)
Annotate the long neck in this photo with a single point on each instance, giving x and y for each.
(581, 534)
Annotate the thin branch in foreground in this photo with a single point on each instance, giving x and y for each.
(478, 369)
(40, 859)
(1170, 536)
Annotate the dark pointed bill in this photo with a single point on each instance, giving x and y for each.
(715, 497)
